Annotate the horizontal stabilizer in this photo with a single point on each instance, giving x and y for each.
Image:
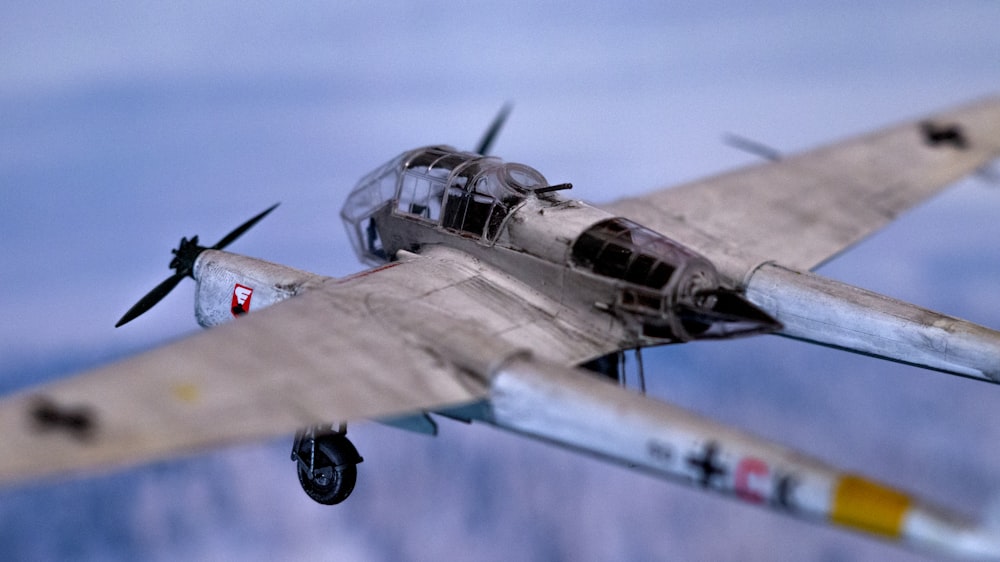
(824, 311)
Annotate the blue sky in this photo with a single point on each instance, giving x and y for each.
(123, 128)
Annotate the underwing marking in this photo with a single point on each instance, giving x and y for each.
(79, 422)
(940, 134)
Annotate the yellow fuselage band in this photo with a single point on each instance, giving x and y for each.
(865, 505)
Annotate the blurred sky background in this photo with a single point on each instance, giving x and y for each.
(124, 126)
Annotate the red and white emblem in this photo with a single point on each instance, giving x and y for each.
(241, 299)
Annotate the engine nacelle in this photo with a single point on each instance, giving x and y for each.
(231, 285)
(669, 291)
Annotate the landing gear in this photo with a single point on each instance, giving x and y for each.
(612, 366)
(327, 463)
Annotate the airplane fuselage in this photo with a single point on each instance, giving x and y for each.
(508, 215)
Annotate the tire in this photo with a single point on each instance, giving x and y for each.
(333, 479)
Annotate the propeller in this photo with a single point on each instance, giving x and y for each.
(491, 133)
(183, 265)
(753, 147)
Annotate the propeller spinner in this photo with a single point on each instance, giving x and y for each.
(183, 265)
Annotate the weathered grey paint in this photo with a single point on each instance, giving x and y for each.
(831, 313)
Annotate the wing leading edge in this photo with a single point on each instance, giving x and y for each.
(415, 335)
(802, 210)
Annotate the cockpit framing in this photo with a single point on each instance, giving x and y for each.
(463, 192)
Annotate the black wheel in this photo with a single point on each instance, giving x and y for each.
(332, 479)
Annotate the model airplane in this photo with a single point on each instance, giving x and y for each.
(494, 298)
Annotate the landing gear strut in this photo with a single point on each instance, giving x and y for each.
(612, 366)
(327, 463)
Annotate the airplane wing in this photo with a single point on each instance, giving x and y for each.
(414, 335)
(802, 210)
(444, 328)
(766, 226)
(428, 332)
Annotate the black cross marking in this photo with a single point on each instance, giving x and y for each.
(938, 134)
(78, 422)
(783, 494)
(705, 463)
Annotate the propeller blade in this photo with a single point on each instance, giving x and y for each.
(151, 298)
(491, 134)
(232, 236)
(185, 255)
(753, 147)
